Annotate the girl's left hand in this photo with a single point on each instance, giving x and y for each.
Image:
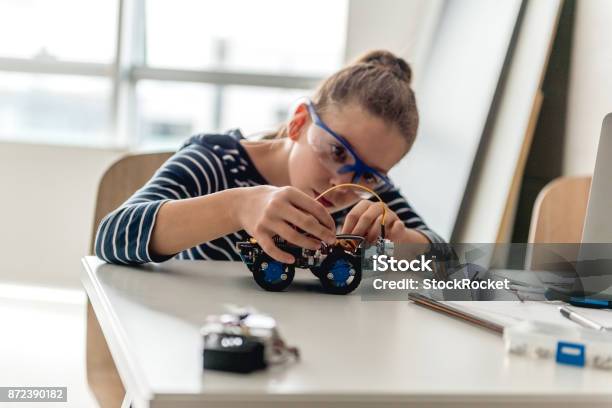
(364, 220)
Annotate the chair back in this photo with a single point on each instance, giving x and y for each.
(121, 180)
(558, 218)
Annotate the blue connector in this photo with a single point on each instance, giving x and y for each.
(570, 353)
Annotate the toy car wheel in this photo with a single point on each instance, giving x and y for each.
(316, 271)
(340, 273)
(272, 275)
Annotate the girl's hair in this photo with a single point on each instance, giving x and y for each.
(379, 82)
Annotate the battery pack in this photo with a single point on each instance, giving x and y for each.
(233, 353)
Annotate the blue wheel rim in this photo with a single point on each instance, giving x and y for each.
(341, 271)
(272, 272)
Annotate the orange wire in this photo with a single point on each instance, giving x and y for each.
(384, 207)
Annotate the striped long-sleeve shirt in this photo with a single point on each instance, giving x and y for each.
(203, 165)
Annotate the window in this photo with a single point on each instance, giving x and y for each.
(258, 109)
(281, 38)
(65, 109)
(185, 67)
(170, 111)
(70, 30)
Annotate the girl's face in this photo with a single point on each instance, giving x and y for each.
(379, 144)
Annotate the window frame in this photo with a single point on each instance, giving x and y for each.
(128, 66)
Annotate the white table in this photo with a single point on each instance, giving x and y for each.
(354, 353)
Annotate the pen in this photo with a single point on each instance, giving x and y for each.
(447, 309)
(580, 319)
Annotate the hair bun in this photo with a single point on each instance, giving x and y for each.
(390, 61)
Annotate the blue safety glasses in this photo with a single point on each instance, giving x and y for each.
(336, 154)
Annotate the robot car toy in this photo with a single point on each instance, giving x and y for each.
(337, 266)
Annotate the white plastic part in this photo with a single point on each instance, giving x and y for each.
(566, 345)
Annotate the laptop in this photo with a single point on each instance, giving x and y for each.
(598, 221)
(594, 266)
(590, 279)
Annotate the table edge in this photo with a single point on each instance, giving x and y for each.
(118, 345)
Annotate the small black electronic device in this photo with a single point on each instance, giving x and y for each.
(243, 341)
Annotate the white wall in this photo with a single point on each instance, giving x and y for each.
(405, 27)
(590, 88)
(46, 211)
(457, 48)
(454, 97)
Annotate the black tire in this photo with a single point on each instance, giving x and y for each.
(338, 264)
(268, 274)
(316, 271)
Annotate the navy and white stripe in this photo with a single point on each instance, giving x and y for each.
(205, 164)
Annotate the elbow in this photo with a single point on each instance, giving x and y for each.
(107, 242)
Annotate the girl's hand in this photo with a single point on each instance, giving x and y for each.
(267, 211)
(365, 217)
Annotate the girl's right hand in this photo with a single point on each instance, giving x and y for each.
(267, 211)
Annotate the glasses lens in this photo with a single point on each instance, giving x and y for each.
(371, 180)
(330, 151)
(337, 158)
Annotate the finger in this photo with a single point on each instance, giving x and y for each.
(366, 220)
(354, 215)
(390, 216)
(396, 229)
(308, 223)
(374, 231)
(291, 235)
(269, 247)
(313, 207)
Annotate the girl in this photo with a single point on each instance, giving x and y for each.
(219, 189)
